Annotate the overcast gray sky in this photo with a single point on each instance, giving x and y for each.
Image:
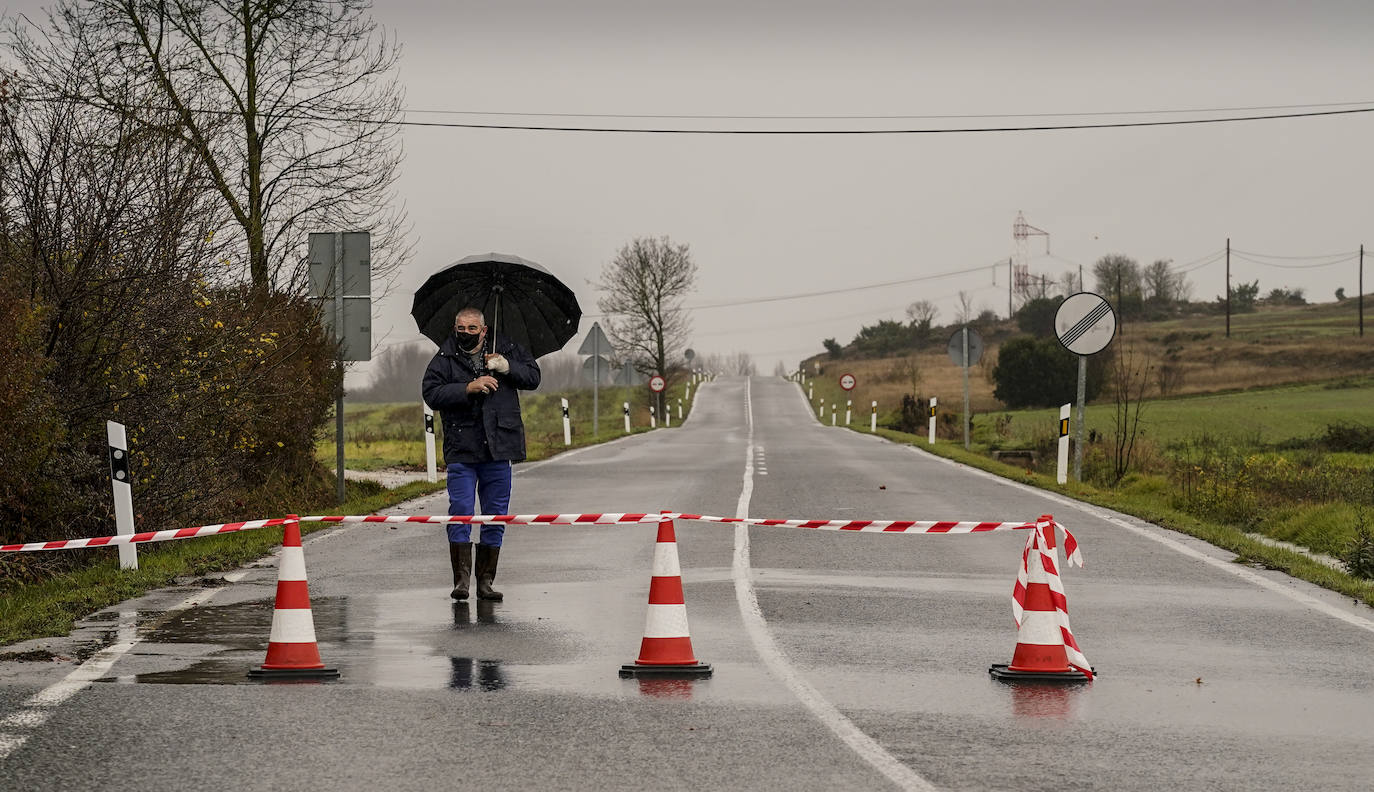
(774, 215)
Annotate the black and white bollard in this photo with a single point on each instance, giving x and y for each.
(653, 419)
(567, 424)
(123, 491)
(627, 417)
(430, 461)
(848, 411)
(933, 402)
(1062, 472)
(679, 409)
(873, 419)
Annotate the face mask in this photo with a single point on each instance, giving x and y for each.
(467, 342)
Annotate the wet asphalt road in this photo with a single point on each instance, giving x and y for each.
(868, 669)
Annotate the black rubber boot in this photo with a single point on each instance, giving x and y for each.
(487, 557)
(460, 556)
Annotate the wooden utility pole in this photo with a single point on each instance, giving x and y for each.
(1228, 287)
(1361, 290)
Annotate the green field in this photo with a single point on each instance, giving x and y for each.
(387, 435)
(1255, 417)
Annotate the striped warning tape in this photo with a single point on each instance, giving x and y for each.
(606, 518)
(141, 538)
(874, 526)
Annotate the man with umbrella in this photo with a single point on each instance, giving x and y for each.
(476, 394)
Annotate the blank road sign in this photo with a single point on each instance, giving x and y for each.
(956, 348)
(1085, 323)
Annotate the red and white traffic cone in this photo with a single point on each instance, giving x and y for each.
(667, 647)
(291, 649)
(1043, 639)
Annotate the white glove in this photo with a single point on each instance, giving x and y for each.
(498, 363)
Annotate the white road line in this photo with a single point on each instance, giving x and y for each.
(1157, 534)
(36, 710)
(774, 659)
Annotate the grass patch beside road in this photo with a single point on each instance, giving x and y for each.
(391, 435)
(50, 608)
(1148, 497)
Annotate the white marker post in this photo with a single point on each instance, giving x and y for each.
(627, 417)
(653, 421)
(810, 386)
(686, 393)
(832, 413)
(933, 402)
(430, 463)
(820, 413)
(123, 492)
(679, 409)
(1062, 476)
(848, 411)
(873, 420)
(567, 424)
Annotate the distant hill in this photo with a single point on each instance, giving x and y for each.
(1273, 345)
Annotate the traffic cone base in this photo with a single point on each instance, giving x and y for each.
(1005, 673)
(683, 671)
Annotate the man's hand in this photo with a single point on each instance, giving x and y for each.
(498, 363)
(483, 384)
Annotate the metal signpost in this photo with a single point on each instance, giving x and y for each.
(1085, 325)
(965, 349)
(595, 345)
(341, 286)
(657, 384)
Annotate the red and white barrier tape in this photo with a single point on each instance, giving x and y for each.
(141, 538)
(863, 526)
(872, 526)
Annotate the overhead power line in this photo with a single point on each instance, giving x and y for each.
(1365, 108)
(901, 131)
(889, 117)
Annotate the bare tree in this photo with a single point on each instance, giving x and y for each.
(1162, 284)
(1070, 282)
(645, 284)
(966, 312)
(922, 312)
(1129, 377)
(1118, 277)
(287, 105)
(396, 374)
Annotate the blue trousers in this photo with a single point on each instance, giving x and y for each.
(489, 481)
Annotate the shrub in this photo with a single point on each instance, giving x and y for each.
(1039, 372)
(1359, 551)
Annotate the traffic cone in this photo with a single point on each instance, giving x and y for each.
(667, 647)
(1043, 639)
(291, 649)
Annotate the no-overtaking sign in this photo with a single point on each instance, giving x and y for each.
(1085, 323)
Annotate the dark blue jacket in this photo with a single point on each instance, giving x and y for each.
(479, 427)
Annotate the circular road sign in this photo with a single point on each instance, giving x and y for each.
(1085, 323)
(656, 384)
(956, 348)
(848, 382)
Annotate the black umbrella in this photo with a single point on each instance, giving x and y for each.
(521, 300)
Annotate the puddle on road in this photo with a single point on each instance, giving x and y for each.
(1045, 700)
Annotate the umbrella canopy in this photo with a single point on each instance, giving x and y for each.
(521, 300)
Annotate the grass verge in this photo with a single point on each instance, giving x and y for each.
(51, 608)
(1139, 497)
